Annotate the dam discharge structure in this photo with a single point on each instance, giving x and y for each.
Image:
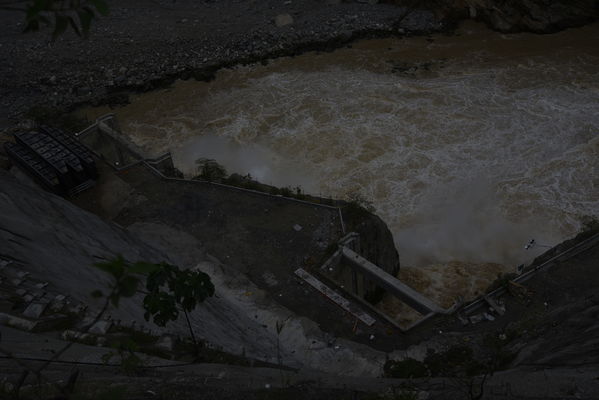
(467, 146)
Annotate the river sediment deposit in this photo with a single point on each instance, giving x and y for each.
(467, 145)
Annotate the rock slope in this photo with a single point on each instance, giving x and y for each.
(56, 242)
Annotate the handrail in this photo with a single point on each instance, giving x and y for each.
(162, 157)
(525, 276)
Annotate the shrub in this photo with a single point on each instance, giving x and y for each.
(455, 361)
(408, 368)
(125, 350)
(590, 226)
(210, 170)
(356, 200)
(502, 280)
(286, 192)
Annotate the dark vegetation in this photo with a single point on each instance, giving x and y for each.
(58, 15)
(503, 280)
(168, 290)
(356, 206)
(457, 361)
(211, 171)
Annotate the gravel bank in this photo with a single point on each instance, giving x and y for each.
(149, 43)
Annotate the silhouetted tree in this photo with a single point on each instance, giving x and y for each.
(58, 15)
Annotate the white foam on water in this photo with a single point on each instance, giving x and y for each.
(258, 161)
(466, 161)
(467, 164)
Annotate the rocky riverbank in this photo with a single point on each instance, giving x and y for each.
(146, 45)
(149, 44)
(539, 16)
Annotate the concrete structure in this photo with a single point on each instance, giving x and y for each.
(364, 281)
(391, 284)
(334, 296)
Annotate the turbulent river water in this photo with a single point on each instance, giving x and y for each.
(467, 145)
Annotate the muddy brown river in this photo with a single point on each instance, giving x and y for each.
(467, 145)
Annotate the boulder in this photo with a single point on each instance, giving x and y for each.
(540, 16)
(101, 327)
(35, 310)
(166, 343)
(283, 20)
(4, 163)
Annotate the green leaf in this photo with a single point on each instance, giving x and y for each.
(32, 26)
(185, 288)
(126, 345)
(161, 307)
(60, 25)
(101, 6)
(142, 267)
(107, 356)
(128, 286)
(114, 299)
(114, 267)
(43, 19)
(159, 277)
(85, 19)
(38, 6)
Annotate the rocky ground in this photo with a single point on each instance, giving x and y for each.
(148, 43)
(47, 261)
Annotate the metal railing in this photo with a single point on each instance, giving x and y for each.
(582, 246)
(100, 126)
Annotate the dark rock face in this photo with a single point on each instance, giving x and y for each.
(58, 242)
(539, 16)
(376, 240)
(4, 163)
(54, 241)
(376, 244)
(46, 233)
